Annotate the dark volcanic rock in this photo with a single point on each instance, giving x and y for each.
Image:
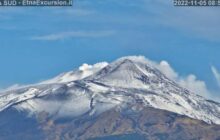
(149, 123)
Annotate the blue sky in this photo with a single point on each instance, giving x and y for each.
(39, 43)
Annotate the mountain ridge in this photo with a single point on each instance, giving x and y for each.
(115, 85)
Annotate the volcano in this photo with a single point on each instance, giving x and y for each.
(126, 99)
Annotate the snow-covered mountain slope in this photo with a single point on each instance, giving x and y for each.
(125, 82)
(84, 71)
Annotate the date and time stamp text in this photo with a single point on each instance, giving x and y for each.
(196, 2)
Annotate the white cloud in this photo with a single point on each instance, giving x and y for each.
(165, 67)
(216, 75)
(74, 34)
(99, 66)
(189, 82)
(197, 86)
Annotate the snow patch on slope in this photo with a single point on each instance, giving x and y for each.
(10, 99)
